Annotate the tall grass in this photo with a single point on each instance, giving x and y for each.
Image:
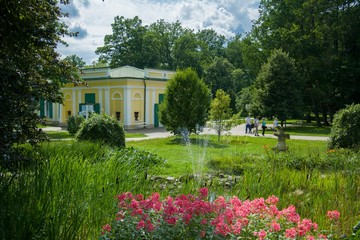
(69, 193)
(308, 176)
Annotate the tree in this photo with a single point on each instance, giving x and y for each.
(245, 102)
(30, 70)
(219, 75)
(75, 60)
(125, 45)
(186, 102)
(166, 33)
(186, 52)
(220, 113)
(278, 91)
(323, 38)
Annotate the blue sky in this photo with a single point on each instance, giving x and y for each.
(93, 18)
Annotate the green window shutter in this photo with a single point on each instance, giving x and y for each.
(161, 98)
(50, 110)
(89, 98)
(42, 109)
(97, 108)
(156, 115)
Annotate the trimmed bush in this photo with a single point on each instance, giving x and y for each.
(74, 123)
(102, 128)
(345, 130)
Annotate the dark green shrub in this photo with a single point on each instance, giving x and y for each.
(102, 128)
(345, 130)
(74, 123)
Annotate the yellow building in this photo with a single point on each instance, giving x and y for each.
(130, 94)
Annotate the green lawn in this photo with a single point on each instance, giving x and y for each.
(61, 135)
(194, 157)
(308, 130)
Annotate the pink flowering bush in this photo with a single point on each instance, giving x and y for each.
(193, 217)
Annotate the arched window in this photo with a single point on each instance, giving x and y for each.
(116, 96)
(137, 96)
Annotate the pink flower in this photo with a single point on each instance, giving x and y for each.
(141, 224)
(171, 220)
(203, 192)
(261, 235)
(149, 226)
(310, 237)
(275, 226)
(333, 215)
(107, 228)
(322, 236)
(290, 233)
(272, 200)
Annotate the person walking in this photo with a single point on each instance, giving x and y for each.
(275, 123)
(256, 125)
(263, 126)
(248, 124)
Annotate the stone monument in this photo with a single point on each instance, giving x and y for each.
(282, 136)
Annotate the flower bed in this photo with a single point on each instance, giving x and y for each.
(193, 217)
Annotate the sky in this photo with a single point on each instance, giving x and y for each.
(93, 19)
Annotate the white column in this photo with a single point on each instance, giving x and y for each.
(127, 106)
(107, 101)
(73, 110)
(60, 113)
(100, 90)
(148, 107)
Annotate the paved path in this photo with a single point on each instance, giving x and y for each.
(236, 131)
(162, 133)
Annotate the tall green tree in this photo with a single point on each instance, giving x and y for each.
(30, 69)
(75, 60)
(245, 102)
(220, 113)
(186, 52)
(125, 45)
(186, 103)
(322, 36)
(166, 33)
(278, 91)
(218, 75)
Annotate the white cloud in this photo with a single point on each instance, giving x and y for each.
(94, 17)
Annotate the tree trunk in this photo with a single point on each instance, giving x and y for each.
(324, 115)
(308, 117)
(316, 110)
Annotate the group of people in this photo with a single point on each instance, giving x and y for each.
(252, 126)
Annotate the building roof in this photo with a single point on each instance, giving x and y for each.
(126, 72)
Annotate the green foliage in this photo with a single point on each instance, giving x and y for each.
(75, 60)
(278, 88)
(29, 34)
(69, 193)
(323, 46)
(187, 100)
(219, 75)
(345, 130)
(220, 113)
(102, 128)
(244, 100)
(74, 123)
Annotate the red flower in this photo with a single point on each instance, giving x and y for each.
(333, 215)
(203, 192)
(290, 233)
(107, 228)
